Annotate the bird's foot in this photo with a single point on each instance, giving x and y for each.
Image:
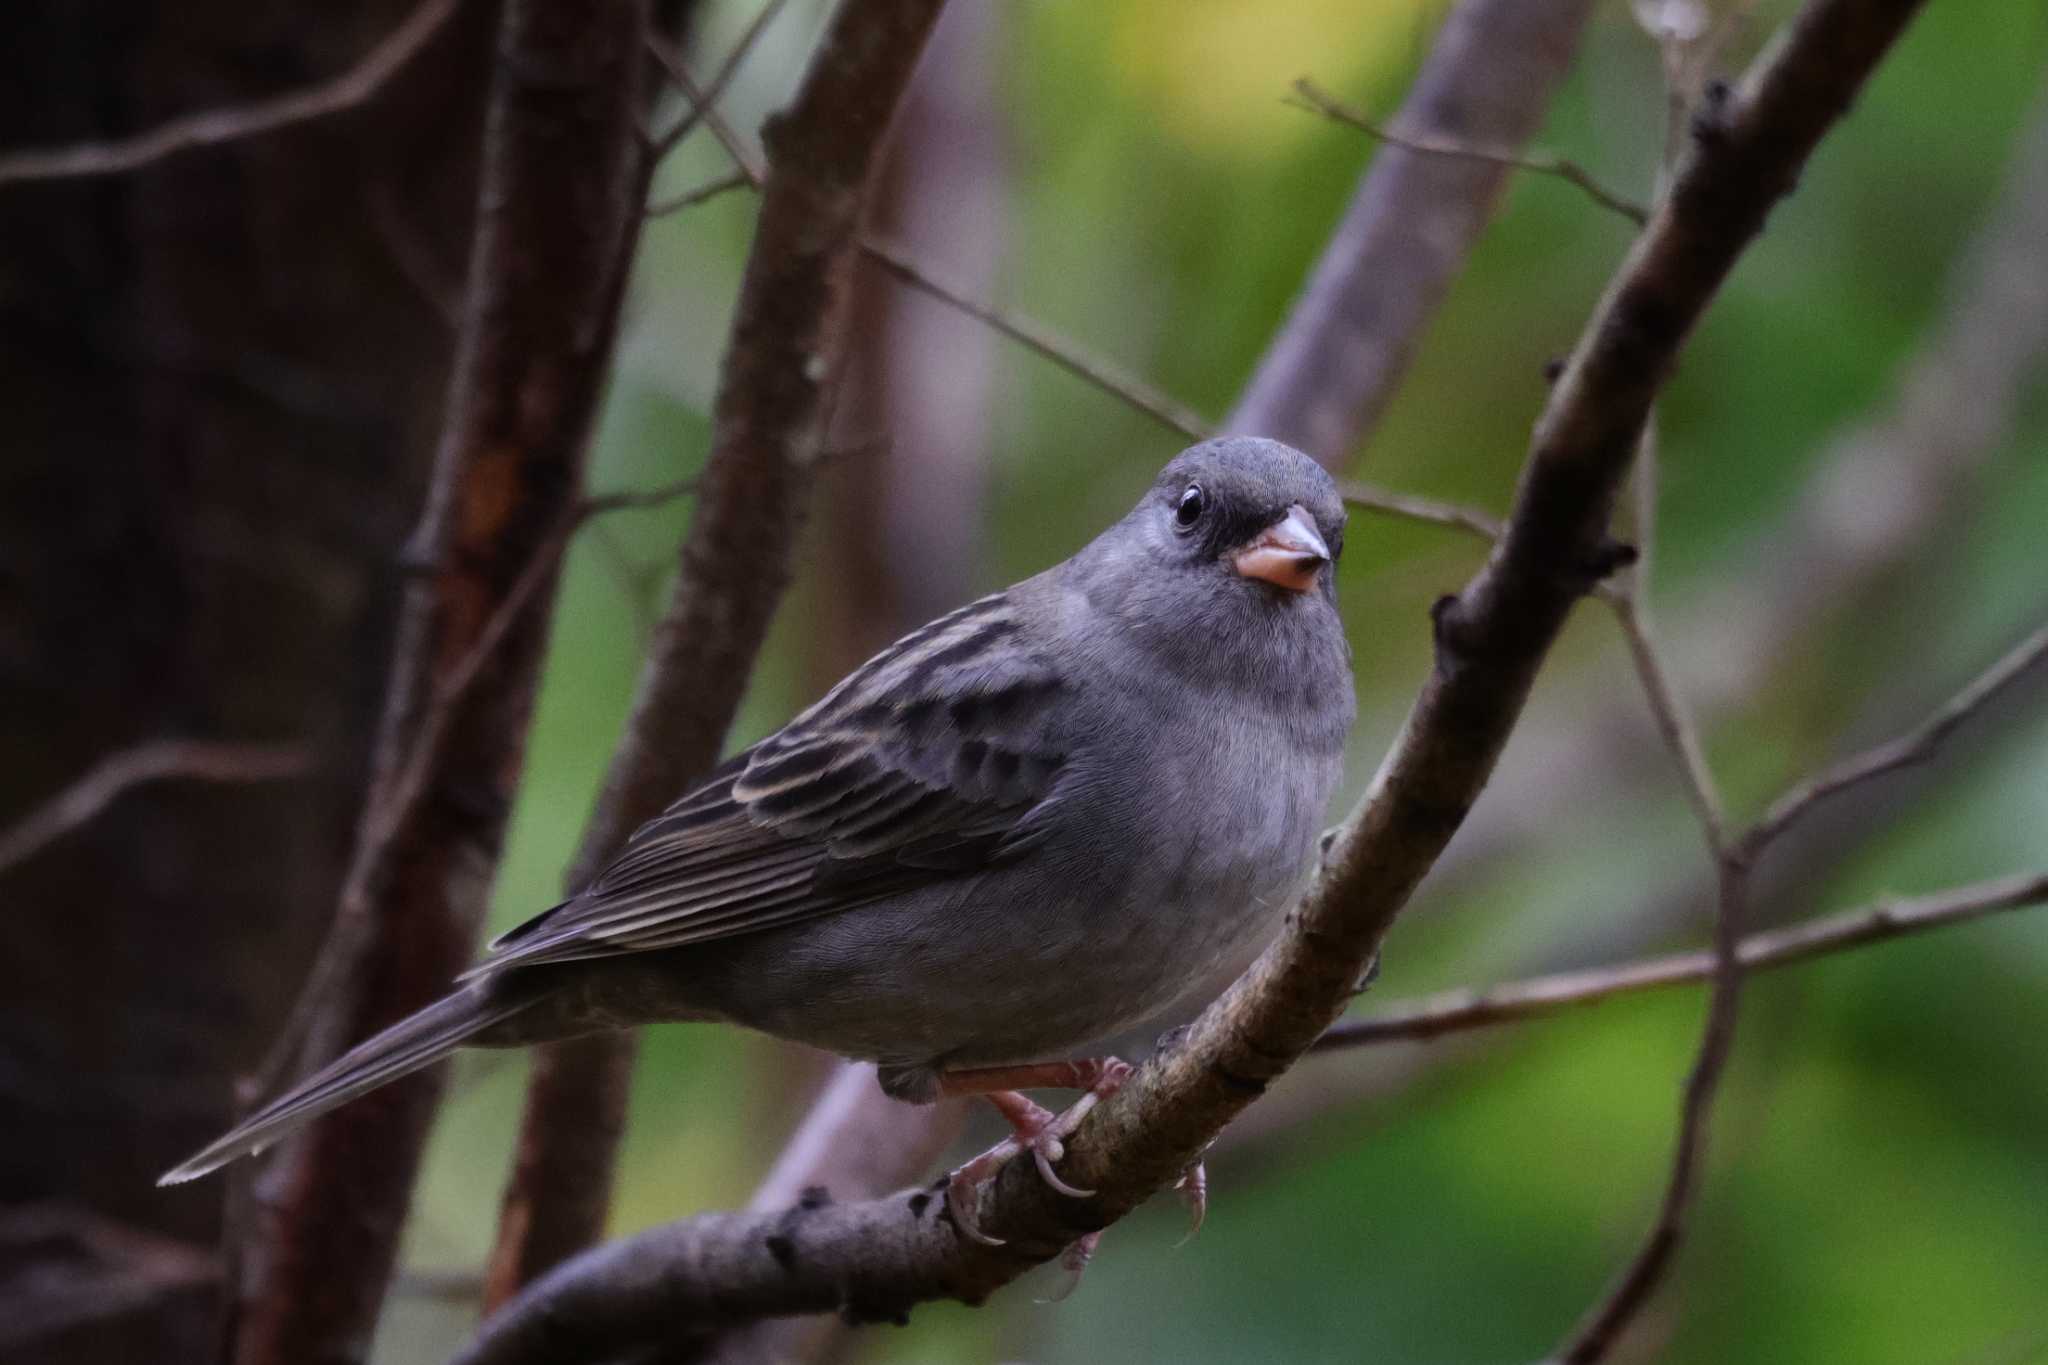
(1034, 1129)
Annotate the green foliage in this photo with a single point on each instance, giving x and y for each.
(1875, 1191)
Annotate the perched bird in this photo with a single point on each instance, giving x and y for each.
(1057, 813)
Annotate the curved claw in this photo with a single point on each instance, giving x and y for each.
(1193, 1189)
(960, 1189)
(1074, 1260)
(1051, 1177)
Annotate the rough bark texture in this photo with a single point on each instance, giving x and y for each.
(780, 362)
(222, 383)
(880, 1258)
(561, 166)
(1326, 378)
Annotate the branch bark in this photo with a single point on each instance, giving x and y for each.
(780, 362)
(877, 1259)
(1330, 373)
(1457, 1011)
(552, 208)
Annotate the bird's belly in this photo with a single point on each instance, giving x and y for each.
(996, 969)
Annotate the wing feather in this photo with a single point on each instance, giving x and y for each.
(927, 762)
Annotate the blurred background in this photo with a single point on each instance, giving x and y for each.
(1851, 525)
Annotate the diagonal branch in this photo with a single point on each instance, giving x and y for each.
(879, 1258)
(1316, 100)
(1168, 412)
(156, 760)
(767, 441)
(216, 126)
(1906, 750)
(1537, 997)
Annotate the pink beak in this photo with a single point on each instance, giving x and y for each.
(1288, 554)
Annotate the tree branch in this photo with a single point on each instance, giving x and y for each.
(1456, 1011)
(1316, 100)
(1904, 751)
(553, 206)
(156, 760)
(216, 126)
(767, 424)
(1412, 222)
(1168, 412)
(879, 1258)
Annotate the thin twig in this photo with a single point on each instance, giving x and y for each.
(1907, 749)
(216, 126)
(1456, 1011)
(1327, 377)
(1316, 100)
(702, 100)
(1602, 1326)
(156, 760)
(709, 190)
(1032, 336)
(1166, 411)
(1674, 719)
(1416, 508)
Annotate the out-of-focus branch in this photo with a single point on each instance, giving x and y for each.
(215, 126)
(1168, 412)
(196, 760)
(1906, 749)
(1603, 1325)
(555, 202)
(1316, 100)
(880, 1257)
(1537, 997)
(767, 438)
(1412, 221)
(702, 98)
(1880, 496)
(689, 199)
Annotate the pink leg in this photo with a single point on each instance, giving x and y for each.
(1035, 1130)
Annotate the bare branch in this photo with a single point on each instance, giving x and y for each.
(767, 440)
(1907, 749)
(558, 197)
(879, 1258)
(1415, 508)
(1319, 101)
(1674, 720)
(216, 126)
(1412, 221)
(1166, 411)
(710, 189)
(1538, 997)
(702, 99)
(156, 760)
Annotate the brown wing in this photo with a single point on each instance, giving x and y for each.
(930, 761)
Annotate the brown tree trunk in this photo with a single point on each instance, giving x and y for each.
(222, 376)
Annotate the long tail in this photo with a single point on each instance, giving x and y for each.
(416, 1041)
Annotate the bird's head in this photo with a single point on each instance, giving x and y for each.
(1253, 516)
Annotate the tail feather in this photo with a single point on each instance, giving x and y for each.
(412, 1043)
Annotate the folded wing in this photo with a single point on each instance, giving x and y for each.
(937, 758)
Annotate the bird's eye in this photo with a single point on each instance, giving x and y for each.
(1189, 510)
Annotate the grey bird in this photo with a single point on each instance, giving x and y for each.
(1060, 812)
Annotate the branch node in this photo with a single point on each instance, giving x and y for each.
(1710, 116)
